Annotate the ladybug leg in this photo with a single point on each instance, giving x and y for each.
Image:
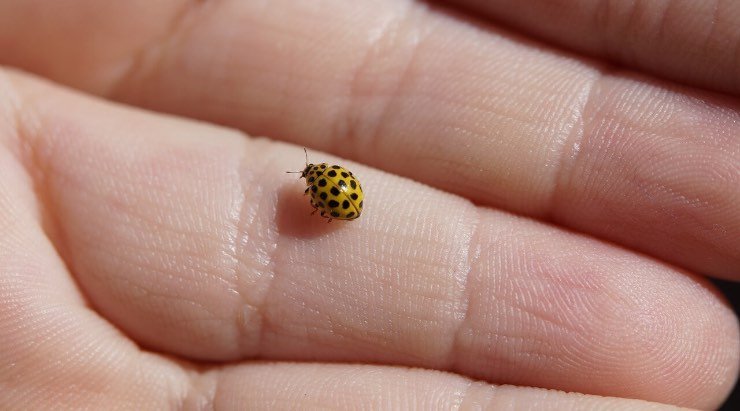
(323, 214)
(305, 193)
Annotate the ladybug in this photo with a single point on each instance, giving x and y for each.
(334, 190)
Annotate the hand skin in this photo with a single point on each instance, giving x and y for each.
(569, 212)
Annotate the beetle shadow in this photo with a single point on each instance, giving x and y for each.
(294, 215)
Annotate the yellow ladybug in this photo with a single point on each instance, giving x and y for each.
(334, 190)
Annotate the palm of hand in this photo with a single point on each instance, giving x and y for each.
(148, 261)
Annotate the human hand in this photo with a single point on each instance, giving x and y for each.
(147, 261)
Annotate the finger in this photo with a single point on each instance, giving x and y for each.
(56, 353)
(194, 241)
(487, 116)
(693, 42)
(309, 386)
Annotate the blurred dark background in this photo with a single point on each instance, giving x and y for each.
(732, 292)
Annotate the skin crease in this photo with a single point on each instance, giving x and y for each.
(137, 245)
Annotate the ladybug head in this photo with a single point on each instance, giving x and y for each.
(305, 171)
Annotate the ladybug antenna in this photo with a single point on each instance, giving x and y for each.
(301, 172)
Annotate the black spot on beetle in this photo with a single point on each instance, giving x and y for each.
(353, 196)
(352, 184)
(336, 167)
(345, 204)
(331, 173)
(342, 183)
(333, 203)
(335, 213)
(322, 183)
(323, 195)
(335, 191)
(314, 188)
(344, 174)
(350, 214)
